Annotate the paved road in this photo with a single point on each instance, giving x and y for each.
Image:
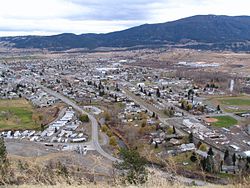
(165, 120)
(162, 118)
(151, 108)
(169, 121)
(94, 138)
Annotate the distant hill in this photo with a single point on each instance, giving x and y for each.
(199, 32)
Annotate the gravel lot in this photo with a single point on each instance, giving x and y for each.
(93, 163)
(27, 149)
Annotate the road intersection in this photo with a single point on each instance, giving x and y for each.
(94, 143)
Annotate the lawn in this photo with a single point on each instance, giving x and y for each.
(224, 121)
(17, 115)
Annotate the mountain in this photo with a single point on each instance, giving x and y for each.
(200, 32)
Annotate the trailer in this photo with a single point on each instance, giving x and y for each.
(75, 140)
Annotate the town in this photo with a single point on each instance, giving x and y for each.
(103, 104)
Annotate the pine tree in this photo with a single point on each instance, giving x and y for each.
(209, 164)
(248, 159)
(141, 90)
(190, 93)
(156, 145)
(221, 164)
(190, 138)
(153, 115)
(226, 155)
(158, 94)
(210, 152)
(174, 131)
(203, 163)
(218, 107)
(133, 167)
(234, 159)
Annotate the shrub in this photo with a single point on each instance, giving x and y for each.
(144, 123)
(170, 130)
(113, 141)
(109, 133)
(107, 116)
(84, 118)
(203, 147)
(104, 128)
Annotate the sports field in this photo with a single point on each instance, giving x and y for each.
(232, 104)
(224, 121)
(235, 101)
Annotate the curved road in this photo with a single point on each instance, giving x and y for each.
(94, 139)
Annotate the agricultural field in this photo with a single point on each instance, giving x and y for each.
(224, 121)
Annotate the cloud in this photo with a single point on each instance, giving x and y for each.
(21, 17)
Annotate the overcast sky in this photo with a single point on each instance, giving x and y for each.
(47, 17)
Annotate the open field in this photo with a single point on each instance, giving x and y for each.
(224, 121)
(229, 62)
(236, 101)
(17, 114)
(232, 104)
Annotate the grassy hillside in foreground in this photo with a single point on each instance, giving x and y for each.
(150, 184)
(52, 171)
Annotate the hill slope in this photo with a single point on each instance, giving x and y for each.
(209, 31)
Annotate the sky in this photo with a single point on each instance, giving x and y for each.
(49, 17)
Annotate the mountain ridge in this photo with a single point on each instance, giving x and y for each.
(200, 32)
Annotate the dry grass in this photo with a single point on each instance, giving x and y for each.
(154, 182)
(35, 173)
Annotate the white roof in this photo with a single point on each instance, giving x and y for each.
(247, 153)
(235, 147)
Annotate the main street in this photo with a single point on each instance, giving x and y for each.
(150, 108)
(163, 119)
(94, 134)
